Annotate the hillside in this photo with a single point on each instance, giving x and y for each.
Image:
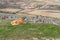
(22, 3)
(29, 31)
(41, 19)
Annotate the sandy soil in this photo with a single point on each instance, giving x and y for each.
(9, 10)
(49, 13)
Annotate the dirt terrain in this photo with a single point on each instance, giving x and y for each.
(49, 13)
(31, 7)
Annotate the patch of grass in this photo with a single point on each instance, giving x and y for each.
(26, 30)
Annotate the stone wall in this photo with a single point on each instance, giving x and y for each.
(42, 19)
(5, 16)
(31, 18)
